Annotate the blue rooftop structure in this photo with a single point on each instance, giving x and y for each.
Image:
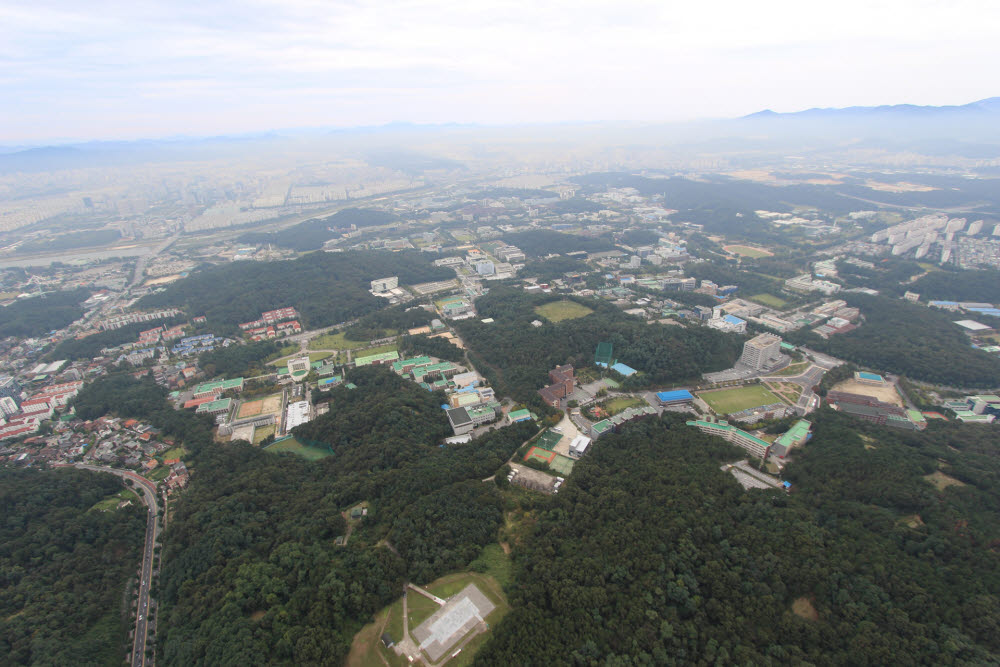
(676, 396)
(732, 319)
(623, 369)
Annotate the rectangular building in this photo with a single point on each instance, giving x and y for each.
(761, 351)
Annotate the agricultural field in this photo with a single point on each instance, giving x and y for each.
(769, 300)
(558, 311)
(737, 399)
(747, 251)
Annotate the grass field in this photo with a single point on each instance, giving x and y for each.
(793, 369)
(262, 432)
(747, 251)
(296, 447)
(173, 453)
(335, 342)
(562, 465)
(378, 349)
(111, 502)
(419, 608)
(769, 300)
(313, 357)
(622, 403)
(557, 311)
(158, 474)
(548, 440)
(737, 399)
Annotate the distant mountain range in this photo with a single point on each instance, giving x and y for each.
(989, 106)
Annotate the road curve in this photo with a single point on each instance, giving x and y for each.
(152, 531)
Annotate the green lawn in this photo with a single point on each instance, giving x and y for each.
(793, 369)
(260, 433)
(737, 399)
(419, 608)
(769, 300)
(335, 342)
(111, 502)
(174, 453)
(747, 251)
(296, 447)
(622, 403)
(379, 349)
(158, 474)
(494, 563)
(557, 311)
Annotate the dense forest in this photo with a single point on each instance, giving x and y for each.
(312, 234)
(541, 242)
(439, 347)
(517, 357)
(650, 555)
(39, 315)
(125, 396)
(388, 322)
(959, 286)
(241, 360)
(909, 339)
(326, 288)
(546, 270)
(64, 568)
(251, 572)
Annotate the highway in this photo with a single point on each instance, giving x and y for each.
(152, 532)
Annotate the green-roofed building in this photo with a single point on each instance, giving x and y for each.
(217, 387)
(598, 429)
(215, 407)
(793, 437)
(754, 445)
(406, 365)
(515, 416)
(376, 359)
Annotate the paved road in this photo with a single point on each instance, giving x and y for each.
(152, 532)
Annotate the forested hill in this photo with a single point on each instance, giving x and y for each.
(651, 555)
(909, 339)
(326, 288)
(41, 314)
(541, 242)
(64, 568)
(312, 234)
(251, 572)
(517, 356)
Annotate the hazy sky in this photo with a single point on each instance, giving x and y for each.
(97, 69)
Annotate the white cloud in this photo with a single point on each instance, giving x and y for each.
(476, 61)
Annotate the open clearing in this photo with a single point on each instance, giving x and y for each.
(557, 311)
(942, 481)
(294, 446)
(726, 401)
(769, 300)
(335, 342)
(792, 370)
(622, 403)
(803, 608)
(367, 649)
(747, 251)
(886, 393)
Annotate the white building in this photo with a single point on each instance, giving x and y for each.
(385, 284)
(761, 351)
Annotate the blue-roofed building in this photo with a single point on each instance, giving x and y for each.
(624, 369)
(675, 397)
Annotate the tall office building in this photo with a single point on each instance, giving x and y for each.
(761, 351)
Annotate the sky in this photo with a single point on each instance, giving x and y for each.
(97, 69)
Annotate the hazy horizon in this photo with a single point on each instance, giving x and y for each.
(149, 70)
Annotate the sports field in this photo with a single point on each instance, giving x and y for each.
(539, 454)
(549, 440)
(622, 403)
(769, 300)
(557, 311)
(269, 405)
(737, 399)
(562, 465)
(747, 251)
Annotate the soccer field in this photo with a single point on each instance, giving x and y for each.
(747, 251)
(726, 401)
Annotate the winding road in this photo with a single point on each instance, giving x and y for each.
(152, 532)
